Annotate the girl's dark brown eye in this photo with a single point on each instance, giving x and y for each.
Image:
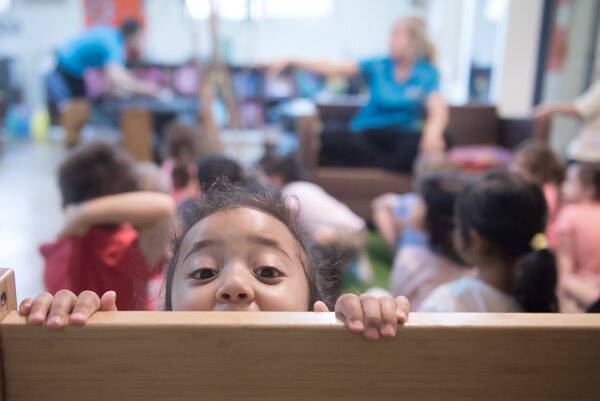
(203, 274)
(268, 272)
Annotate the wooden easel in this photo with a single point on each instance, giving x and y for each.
(215, 80)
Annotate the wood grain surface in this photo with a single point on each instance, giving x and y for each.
(302, 356)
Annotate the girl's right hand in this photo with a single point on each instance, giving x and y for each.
(66, 308)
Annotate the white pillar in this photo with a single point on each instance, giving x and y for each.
(451, 28)
(518, 63)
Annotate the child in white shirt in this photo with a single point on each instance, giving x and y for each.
(500, 220)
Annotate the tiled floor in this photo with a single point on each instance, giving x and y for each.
(30, 212)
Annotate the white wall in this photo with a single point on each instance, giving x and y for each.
(569, 83)
(42, 27)
(356, 29)
(516, 78)
(451, 27)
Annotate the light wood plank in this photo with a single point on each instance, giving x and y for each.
(300, 356)
(8, 302)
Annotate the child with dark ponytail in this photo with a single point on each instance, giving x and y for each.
(500, 220)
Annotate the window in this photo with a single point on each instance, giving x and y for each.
(5, 6)
(291, 9)
(236, 10)
(239, 10)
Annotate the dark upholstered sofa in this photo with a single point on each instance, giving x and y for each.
(357, 187)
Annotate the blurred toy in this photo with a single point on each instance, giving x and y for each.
(40, 122)
(17, 122)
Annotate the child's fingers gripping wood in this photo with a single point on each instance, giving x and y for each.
(320, 306)
(61, 306)
(349, 307)
(65, 308)
(402, 309)
(372, 316)
(389, 320)
(88, 303)
(37, 309)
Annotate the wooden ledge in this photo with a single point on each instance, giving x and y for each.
(313, 320)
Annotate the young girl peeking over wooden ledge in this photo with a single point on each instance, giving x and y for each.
(239, 251)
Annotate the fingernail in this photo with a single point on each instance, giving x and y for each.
(36, 318)
(388, 330)
(77, 316)
(357, 325)
(54, 321)
(372, 333)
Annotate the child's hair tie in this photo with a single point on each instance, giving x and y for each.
(539, 242)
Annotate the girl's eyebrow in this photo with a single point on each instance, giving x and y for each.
(201, 245)
(269, 242)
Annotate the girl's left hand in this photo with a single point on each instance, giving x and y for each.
(374, 317)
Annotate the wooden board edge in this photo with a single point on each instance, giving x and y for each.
(328, 321)
(8, 303)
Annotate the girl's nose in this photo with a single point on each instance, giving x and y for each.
(236, 287)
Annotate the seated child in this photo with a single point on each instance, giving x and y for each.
(151, 178)
(420, 268)
(212, 171)
(578, 226)
(537, 162)
(331, 223)
(500, 220)
(391, 212)
(178, 164)
(239, 251)
(216, 168)
(114, 236)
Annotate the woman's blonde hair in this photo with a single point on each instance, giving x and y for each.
(418, 30)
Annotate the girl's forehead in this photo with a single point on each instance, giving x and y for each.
(240, 223)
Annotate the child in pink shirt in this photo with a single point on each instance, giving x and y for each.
(537, 162)
(578, 226)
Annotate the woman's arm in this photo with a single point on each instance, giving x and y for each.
(545, 111)
(141, 209)
(346, 69)
(124, 80)
(436, 122)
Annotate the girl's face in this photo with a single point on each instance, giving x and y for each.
(240, 260)
(573, 190)
(402, 45)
